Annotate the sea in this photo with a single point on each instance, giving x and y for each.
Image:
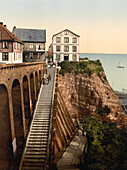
(116, 76)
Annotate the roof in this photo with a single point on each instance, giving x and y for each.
(5, 34)
(30, 35)
(66, 30)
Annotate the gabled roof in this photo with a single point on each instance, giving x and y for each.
(30, 35)
(66, 30)
(5, 34)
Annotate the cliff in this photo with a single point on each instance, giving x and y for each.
(85, 92)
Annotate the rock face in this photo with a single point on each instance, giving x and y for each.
(83, 94)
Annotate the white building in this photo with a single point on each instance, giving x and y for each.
(65, 46)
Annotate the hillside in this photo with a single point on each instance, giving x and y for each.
(85, 89)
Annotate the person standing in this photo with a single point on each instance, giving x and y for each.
(50, 76)
(45, 70)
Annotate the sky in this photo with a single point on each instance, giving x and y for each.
(101, 24)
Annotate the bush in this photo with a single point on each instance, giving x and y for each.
(103, 111)
(106, 145)
(88, 67)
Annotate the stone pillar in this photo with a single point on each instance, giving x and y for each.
(35, 87)
(31, 110)
(11, 117)
(38, 80)
(23, 114)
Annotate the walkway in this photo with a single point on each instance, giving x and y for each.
(35, 152)
(71, 159)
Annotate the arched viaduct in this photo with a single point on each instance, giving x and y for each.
(19, 87)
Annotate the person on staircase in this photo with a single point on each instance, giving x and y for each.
(50, 76)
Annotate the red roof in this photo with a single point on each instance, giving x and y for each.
(5, 34)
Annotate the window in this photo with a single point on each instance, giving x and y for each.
(38, 55)
(18, 46)
(21, 47)
(19, 56)
(39, 46)
(30, 55)
(74, 48)
(66, 57)
(58, 39)
(58, 57)
(66, 40)
(14, 56)
(5, 56)
(66, 48)
(57, 48)
(15, 45)
(74, 57)
(74, 40)
(5, 44)
(66, 32)
(31, 45)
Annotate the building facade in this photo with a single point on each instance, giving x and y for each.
(49, 55)
(34, 43)
(65, 46)
(11, 48)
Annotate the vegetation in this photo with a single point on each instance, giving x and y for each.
(88, 67)
(106, 145)
(81, 59)
(103, 111)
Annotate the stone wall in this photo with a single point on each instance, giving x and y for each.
(63, 128)
(16, 101)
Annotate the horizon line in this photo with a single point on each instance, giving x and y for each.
(104, 53)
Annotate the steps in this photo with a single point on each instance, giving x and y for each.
(35, 152)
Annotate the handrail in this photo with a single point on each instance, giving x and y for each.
(47, 163)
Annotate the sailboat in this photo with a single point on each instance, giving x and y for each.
(120, 65)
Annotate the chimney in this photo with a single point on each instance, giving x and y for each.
(1, 23)
(13, 29)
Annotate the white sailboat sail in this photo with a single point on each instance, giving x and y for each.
(120, 65)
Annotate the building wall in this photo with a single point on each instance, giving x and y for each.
(9, 49)
(26, 57)
(11, 59)
(35, 46)
(37, 50)
(62, 44)
(62, 56)
(18, 57)
(17, 47)
(15, 53)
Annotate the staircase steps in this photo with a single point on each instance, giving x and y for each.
(35, 152)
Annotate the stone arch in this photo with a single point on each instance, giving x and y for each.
(6, 151)
(32, 90)
(26, 102)
(37, 84)
(18, 119)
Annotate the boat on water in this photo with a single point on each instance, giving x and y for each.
(120, 65)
